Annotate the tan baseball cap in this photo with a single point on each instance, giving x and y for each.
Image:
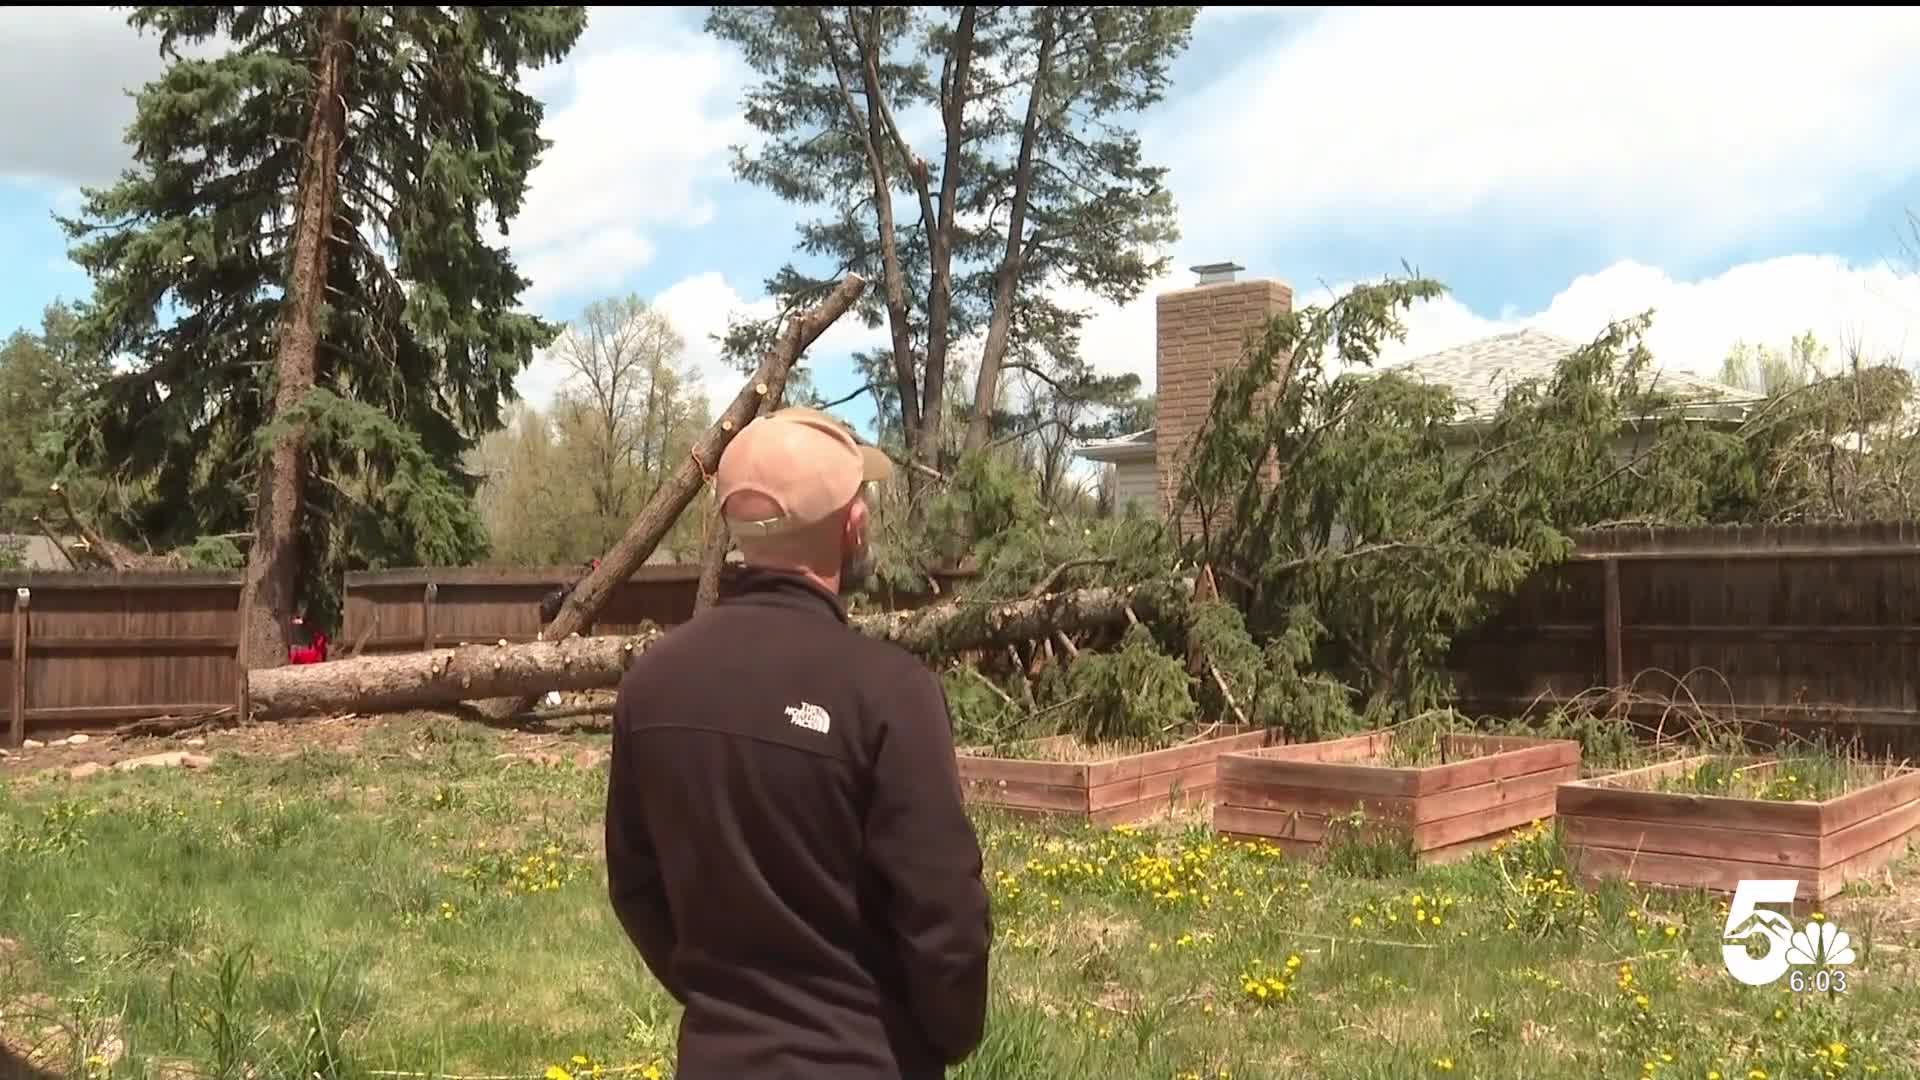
(803, 461)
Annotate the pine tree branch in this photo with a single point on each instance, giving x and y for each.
(1048, 583)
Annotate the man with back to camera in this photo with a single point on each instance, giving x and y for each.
(786, 842)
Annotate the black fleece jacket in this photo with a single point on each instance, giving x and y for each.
(787, 847)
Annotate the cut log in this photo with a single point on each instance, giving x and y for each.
(661, 511)
(376, 684)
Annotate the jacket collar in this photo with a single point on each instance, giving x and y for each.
(777, 588)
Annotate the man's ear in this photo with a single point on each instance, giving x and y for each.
(856, 530)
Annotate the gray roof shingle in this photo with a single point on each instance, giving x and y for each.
(1481, 372)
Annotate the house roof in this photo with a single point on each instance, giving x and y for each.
(1137, 446)
(1480, 373)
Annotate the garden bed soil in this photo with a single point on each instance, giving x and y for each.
(1293, 796)
(1060, 777)
(1620, 826)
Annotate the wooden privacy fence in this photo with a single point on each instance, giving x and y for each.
(85, 649)
(1793, 625)
(408, 610)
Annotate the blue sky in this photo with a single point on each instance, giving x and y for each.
(1747, 179)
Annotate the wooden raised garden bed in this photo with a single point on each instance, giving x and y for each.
(1614, 827)
(1104, 791)
(1487, 786)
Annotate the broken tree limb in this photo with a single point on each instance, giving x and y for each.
(713, 559)
(46, 530)
(375, 684)
(661, 511)
(115, 556)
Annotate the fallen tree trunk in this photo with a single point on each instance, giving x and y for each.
(375, 684)
(661, 511)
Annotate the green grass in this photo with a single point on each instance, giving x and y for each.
(425, 907)
(1069, 749)
(1798, 774)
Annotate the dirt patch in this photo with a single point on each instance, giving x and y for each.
(339, 734)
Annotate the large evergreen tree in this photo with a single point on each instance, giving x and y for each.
(297, 271)
(1033, 180)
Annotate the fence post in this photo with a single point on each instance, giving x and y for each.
(426, 616)
(17, 726)
(1610, 594)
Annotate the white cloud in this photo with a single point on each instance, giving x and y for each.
(68, 73)
(699, 307)
(1876, 307)
(1669, 132)
(651, 108)
(1228, 14)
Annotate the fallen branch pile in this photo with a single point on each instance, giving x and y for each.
(376, 684)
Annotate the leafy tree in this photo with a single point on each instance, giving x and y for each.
(1059, 412)
(1766, 370)
(632, 407)
(297, 274)
(539, 502)
(1031, 183)
(44, 378)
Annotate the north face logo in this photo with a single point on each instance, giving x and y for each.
(811, 717)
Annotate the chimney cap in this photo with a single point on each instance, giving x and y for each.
(1216, 273)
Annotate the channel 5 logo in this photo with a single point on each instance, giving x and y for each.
(1819, 944)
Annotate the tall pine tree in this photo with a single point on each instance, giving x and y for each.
(298, 275)
(1028, 180)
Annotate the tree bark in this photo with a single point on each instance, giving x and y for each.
(713, 559)
(657, 517)
(267, 589)
(867, 128)
(1006, 277)
(924, 446)
(377, 684)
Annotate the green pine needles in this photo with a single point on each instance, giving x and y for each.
(420, 335)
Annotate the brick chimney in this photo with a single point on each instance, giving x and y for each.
(1201, 332)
